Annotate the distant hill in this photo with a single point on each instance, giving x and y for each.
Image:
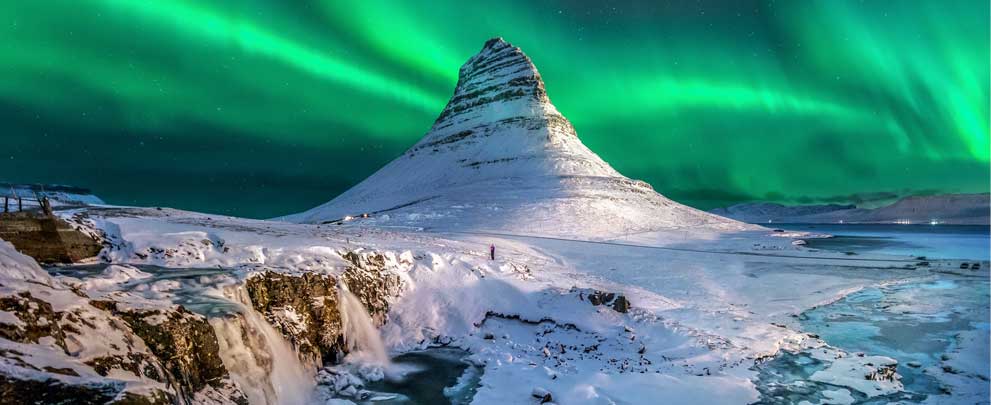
(960, 209)
(59, 194)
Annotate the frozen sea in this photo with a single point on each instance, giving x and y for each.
(968, 242)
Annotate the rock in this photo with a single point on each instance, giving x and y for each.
(542, 394)
(621, 305)
(350, 391)
(618, 302)
(37, 318)
(54, 391)
(169, 346)
(884, 372)
(184, 342)
(48, 239)
(314, 326)
(600, 298)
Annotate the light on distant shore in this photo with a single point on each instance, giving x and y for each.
(934, 221)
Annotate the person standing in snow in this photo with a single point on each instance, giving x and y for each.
(491, 252)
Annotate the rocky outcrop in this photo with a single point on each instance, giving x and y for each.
(304, 307)
(184, 345)
(618, 302)
(53, 391)
(57, 346)
(46, 238)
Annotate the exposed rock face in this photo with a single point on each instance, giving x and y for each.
(619, 303)
(500, 156)
(184, 344)
(53, 391)
(47, 239)
(305, 307)
(498, 75)
(59, 346)
(174, 347)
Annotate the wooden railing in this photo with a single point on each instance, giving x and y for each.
(42, 202)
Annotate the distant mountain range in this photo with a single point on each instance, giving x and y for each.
(959, 209)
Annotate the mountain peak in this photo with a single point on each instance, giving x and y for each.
(498, 73)
(501, 156)
(494, 42)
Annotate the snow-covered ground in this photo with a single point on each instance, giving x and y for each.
(602, 291)
(705, 307)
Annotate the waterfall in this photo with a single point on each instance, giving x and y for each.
(361, 337)
(259, 358)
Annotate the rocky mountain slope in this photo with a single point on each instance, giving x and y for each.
(960, 209)
(501, 157)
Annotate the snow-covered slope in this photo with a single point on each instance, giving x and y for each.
(60, 195)
(765, 211)
(501, 157)
(963, 209)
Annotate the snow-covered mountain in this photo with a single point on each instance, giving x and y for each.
(500, 157)
(962, 209)
(765, 211)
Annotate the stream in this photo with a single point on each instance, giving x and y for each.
(263, 363)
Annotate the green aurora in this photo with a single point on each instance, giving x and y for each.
(262, 108)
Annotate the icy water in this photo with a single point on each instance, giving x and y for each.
(933, 241)
(194, 288)
(431, 376)
(914, 323)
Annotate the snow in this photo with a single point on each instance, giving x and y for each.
(706, 304)
(96, 337)
(710, 297)
(851, 371)
(513, 165)
(14, 265)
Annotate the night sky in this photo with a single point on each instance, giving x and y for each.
(261, 108)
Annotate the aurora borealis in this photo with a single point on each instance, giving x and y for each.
(262, 108)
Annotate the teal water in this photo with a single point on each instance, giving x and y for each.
(914, 323)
